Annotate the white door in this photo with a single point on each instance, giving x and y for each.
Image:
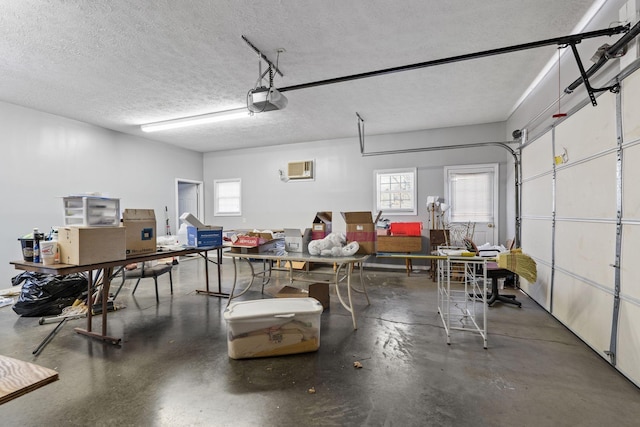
(472, 194)
(188, 199)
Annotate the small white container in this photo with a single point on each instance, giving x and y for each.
(49, 252)
(272, 327)
(91, 211)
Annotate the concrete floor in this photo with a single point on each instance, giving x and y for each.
(172, 368)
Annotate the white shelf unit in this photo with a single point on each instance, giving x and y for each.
(91, 211)
(463, 305)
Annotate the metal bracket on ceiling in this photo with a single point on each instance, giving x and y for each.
(585, 78)
(263, 56)
(614, 51)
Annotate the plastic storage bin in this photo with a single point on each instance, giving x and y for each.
(272, 327)
(91, 211)
(406, 228)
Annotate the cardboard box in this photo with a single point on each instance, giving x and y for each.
(361, 229)
(294, 241)
(263, 234)
(319, 291)
(210, 235)
(399, 244)
(295, 265)
(383, 232)
(272, 327)
(270, 246)
(292, 292)
(190, 219)
(250, 241)
(199, 234)
(321, 226)
(140, 226)
(91, 245)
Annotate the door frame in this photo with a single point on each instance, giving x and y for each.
(199, 185)
(495, 169)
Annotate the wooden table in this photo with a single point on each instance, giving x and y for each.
(400, 244)
(107, 270)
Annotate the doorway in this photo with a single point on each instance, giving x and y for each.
(472, 191)
(189, 198)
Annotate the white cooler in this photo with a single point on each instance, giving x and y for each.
(272, 327)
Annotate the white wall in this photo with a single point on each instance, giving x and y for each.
(47, 156)
(344, 178)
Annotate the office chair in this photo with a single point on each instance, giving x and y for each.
(494, 272)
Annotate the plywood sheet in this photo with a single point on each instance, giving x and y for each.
(18, 377)
(587, 250)
(631, 178)
(585, 309)
(631, 107)
(589, 131)
(628, 351)
(537, 158)
(537, 197)
(588, 190)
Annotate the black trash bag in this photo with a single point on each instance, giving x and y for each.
(47, 294)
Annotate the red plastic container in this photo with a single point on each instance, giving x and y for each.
(406, 228)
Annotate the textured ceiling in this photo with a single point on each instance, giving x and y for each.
(122, 63)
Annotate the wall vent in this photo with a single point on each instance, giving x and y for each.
(300, 170)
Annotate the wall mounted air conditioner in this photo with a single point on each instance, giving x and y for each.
(300, 170)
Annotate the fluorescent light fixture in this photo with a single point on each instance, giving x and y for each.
(201, 119)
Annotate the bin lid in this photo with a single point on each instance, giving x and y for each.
(276, 307)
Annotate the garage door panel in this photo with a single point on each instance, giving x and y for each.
(631, 180)
(536, 238)
(541, 289)
(631, 107)
(629, 262)
(585, 309)
(587, 190)
(589, 131)
(537, 196)
(628, 348)
(537, 158)
(584, 248)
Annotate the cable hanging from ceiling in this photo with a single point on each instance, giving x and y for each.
(265, 98)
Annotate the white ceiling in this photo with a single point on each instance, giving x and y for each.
(122, 63)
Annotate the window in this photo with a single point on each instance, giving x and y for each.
(396, 191)
(227, 197)
(471, 193)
